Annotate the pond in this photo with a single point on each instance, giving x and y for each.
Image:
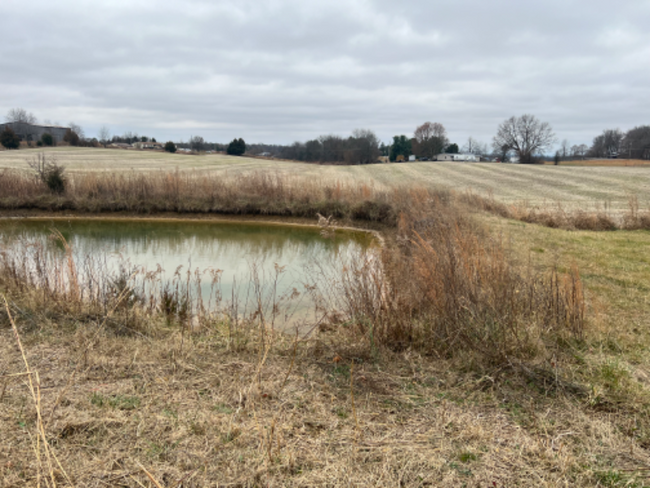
(235, 262)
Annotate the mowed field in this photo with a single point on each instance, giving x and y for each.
(588, 187)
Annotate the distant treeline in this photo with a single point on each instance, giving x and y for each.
(362, 147)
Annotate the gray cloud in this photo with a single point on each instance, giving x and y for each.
(284, 70)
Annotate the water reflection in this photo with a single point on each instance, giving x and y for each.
(237, 249)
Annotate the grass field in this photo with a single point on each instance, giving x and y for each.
(586, 187)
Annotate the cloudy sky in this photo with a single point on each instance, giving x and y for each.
(277, 71)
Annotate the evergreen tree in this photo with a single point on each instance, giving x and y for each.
(401, 146)
(237, 147)
(9, 139)
(47, 139)
(452, 149)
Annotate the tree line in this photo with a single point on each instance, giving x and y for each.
(525, 139)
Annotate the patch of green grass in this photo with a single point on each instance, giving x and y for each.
(467, 457)
(223, 408)
(161, 450)
(460, 469)
(118, 402)
(341, 371)
(341, 412)
(612, 478)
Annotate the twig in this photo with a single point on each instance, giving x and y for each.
(36, 397)
(354, 409)
(153, 480)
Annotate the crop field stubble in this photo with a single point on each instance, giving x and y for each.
(581, 185)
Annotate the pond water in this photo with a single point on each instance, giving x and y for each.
(246, 257)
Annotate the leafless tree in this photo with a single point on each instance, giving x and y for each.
(197, 143)
(77, 130)
(20, 115)
(565, 150)
(525, 135)
(22, 121)
(472, 146)
(366, 145)
(104, 135)
(636, 143)
(607, 145)
(430, 139)
(579, 151)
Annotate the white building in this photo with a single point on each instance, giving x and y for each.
(458, 157)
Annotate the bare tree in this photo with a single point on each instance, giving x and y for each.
(23, 122)
(104, 135)
(430, 139)
(77, 130)
(472, 146)
(197, 143)
(365, 145)
(565, 149)
(524, 135)
(20, 115)
(579, 151)
(636, 143)
(607, 145)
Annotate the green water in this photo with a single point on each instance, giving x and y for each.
(239, 250)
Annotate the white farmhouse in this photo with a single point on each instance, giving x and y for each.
(458, 157)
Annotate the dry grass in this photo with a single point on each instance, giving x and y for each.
(446, 286)
(605, 162)
(192, 192)
(557, 216)
(587, 188)
(278, 193)
(460, 360)
(200, 411)
(241, 405)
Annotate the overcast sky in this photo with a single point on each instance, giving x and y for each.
(277, 71)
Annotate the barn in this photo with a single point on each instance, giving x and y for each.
(33, 132)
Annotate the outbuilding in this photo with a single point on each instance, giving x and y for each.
(34, 132)
(458, 157)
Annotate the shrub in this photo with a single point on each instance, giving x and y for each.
(49, 172)
(47, 140)
(72, 138)
(9, 139)
(237, 147)
(170, 147)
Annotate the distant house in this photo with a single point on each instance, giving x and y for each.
(458, 157)
(34, 132)
(147, 145)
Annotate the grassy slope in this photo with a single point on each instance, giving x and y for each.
(587, 187)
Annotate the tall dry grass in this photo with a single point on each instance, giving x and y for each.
(444, 286)
(255, 193)
(556, 216)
